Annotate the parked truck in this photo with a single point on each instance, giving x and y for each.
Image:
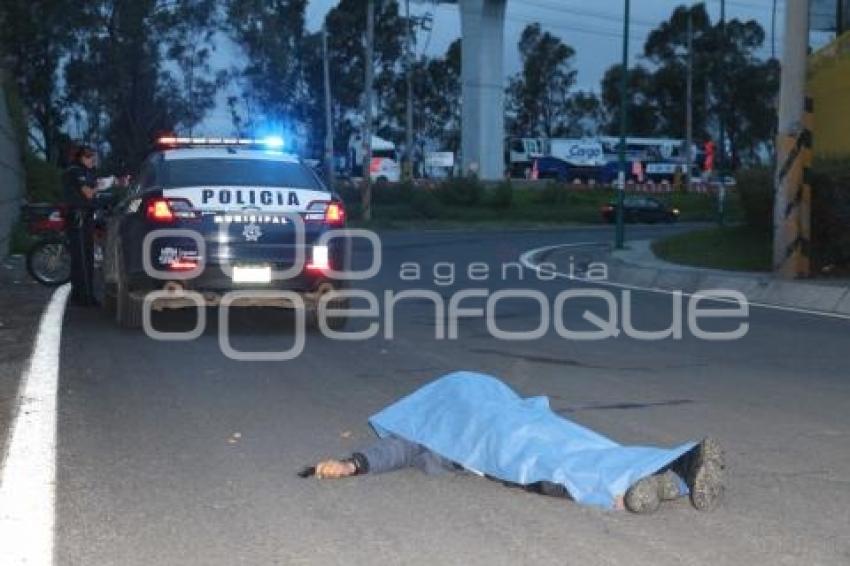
(565, 159)
(384, 166)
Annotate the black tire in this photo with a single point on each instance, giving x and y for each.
(49, 262)
(128, 309)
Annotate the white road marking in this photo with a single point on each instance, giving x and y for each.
(28, 482)
(527, 260)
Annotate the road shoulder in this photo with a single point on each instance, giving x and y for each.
(22, 301)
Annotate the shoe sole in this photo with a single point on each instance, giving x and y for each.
(707, 481)
(643, 497)
(668, 486)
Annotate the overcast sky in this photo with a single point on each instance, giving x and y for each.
(593, 29)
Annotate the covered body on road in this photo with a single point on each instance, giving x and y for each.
(481, 424)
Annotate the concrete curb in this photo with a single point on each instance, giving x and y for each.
(638, 266)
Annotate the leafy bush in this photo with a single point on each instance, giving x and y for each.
(460, 191)
(501, 196)
(425, 203)
(397, 193)
(349, 193)
(553, 193)
(44, 180)
(755, 187)
(830, 182)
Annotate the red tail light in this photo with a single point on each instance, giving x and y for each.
(164, 210)
(331, 213)
(158, 210)
(183, 264)
(334, 214)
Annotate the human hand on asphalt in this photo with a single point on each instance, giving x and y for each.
(333, 469)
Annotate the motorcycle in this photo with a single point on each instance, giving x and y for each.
(48, 260)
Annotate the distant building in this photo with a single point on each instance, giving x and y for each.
(829, 86)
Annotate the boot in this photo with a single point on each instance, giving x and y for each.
(668, 486)
(643, 496)
(704, 474)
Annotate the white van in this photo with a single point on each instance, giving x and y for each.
(385, 161)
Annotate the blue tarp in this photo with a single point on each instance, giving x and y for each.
(477, 421)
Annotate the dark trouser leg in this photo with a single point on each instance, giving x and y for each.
(391, 453)
(548, 488)
(82, 251)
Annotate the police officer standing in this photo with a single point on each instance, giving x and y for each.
(79, 186)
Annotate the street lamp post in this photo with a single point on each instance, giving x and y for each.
(624, 87)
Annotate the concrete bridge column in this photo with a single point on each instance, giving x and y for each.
(482, 76)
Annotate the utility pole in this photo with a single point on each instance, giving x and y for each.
(792, 208)
(689, 102)
(329, 126)
(722, 141)
(366, 194)
(624, 100)
(773, 31)
(408, 142)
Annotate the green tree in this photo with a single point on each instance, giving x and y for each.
(34, 37)
(119, 78)
(642, 112)
(438, 96)
(189, 32)
(731, 84)
(283, 75)
(538, 94)
(271, 35)
(583, 115)
(744, 86)
(346, 25)
(436, 100)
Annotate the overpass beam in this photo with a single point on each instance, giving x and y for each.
(482, 77)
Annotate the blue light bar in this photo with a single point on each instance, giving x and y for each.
(270, 142)
(273, 142)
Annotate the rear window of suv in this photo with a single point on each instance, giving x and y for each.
(237, 172)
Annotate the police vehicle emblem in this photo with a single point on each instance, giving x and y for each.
(252, 232)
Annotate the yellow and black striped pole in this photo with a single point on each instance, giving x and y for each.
(792, 215)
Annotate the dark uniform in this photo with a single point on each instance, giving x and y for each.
(80, 230)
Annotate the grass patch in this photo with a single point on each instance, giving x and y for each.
(738, 248)
(503, 205)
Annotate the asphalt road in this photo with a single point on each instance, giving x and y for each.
(171, 453)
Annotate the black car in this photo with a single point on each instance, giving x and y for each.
(641, 209)
(207, 217)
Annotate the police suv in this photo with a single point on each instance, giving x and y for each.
(209, 216)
